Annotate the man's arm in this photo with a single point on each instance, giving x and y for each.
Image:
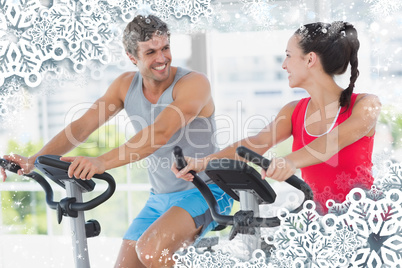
(79, 130)
(192, 98)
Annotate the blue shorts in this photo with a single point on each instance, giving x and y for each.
(191, 200)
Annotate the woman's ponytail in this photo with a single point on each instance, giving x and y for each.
(353, 43)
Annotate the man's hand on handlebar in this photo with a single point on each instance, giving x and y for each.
(26, 164)
(84, 167)
(195, 164)
(280, 169)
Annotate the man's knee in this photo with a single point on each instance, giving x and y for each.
(152, 255)
(127, 255)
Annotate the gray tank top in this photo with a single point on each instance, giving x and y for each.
(196, 139)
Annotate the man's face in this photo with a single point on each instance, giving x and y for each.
(154, 58)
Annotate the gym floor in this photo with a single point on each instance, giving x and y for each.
(53, 251)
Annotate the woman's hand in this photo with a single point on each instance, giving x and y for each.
(26, 164)
(280, 169)
(194, 164)
(84, 168)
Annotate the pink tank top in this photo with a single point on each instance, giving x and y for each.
(349, 168)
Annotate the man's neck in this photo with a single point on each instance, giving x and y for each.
(154, 89)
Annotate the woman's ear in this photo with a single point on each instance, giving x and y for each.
(312, 59)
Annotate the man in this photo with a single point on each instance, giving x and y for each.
(167, 106)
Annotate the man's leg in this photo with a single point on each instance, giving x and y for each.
(160, 234)
(173, 230)
(127, 257)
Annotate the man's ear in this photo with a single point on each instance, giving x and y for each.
(132, 58)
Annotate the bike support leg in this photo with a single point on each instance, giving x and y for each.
(78, 235)
(248, 201)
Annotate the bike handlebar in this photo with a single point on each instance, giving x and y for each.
(230, 220)
(204, 189)
(10, 166)
(82, 206)
(13, 167)
(46, 187)
(77, 206)
(263, 162)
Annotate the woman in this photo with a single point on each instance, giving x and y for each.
(333, 129)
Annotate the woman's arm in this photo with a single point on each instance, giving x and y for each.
(275, 132)
(361, 123)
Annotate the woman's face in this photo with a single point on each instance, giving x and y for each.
(295, 63)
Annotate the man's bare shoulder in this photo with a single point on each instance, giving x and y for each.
(194, 79)
(125, 78)
(122, 82)
(193, 84)
(194, 75)
(119, 87)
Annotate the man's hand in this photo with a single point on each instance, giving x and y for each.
(84, 168)
(25, 163)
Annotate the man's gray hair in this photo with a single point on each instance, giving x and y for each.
(141, 29)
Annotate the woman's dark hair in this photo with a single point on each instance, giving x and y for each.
(337, 45)
(141, 29)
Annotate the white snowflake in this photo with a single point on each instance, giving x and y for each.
(43, 33)
(35, 39)
(194, 9)
(384, 8)
(39, 44)
(260, 11)
(13, 98)
(191, 258)
(344, 241)
(367, 233)
(85, 29)
(17, 55)
(165, 252)
(342, 180)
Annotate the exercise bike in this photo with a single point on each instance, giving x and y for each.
(72, 206)
(244, 184)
